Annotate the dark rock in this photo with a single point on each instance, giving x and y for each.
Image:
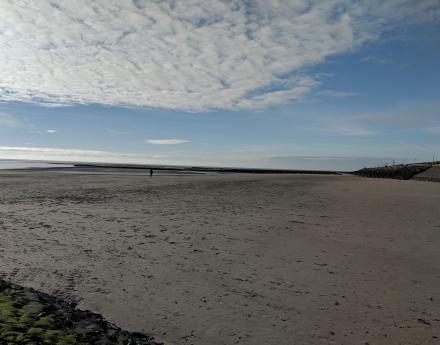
(400, 172)
(48, 313)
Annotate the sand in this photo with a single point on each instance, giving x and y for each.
(234, 258)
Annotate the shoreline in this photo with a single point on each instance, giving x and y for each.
(115, 167)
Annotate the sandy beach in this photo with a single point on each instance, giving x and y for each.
(232, 258)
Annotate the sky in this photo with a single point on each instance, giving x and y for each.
(299, 84)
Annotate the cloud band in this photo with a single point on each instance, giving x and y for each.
(193, 54)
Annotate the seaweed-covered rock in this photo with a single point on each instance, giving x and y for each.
(31, 317)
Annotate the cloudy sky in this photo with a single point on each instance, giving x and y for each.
(333, 84)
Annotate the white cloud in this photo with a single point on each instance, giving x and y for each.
(166, 141)
(51, 131)
(350, 129)
(413, 115)
(8, 120)
(433, 130)
(330, 162)
(193, 54)
(376, 60)
(65, 154)
(335, 93)
(338, 158)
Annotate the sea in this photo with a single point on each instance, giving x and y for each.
(23, 164)
(7, 164)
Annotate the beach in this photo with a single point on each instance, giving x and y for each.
(231, 258)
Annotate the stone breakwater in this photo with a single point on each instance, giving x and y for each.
(31, 317)
(400, 172)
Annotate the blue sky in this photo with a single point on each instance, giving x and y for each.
(284, 84)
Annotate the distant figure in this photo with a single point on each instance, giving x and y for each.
(151, 172)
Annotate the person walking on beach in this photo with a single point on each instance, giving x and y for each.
(151, 172)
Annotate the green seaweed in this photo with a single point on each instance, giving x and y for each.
(23, 321)
(31, 317)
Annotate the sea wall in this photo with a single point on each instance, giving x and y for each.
(400, 172)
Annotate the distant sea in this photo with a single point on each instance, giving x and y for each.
(17, 164)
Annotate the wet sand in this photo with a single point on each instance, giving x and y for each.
(233, 258)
